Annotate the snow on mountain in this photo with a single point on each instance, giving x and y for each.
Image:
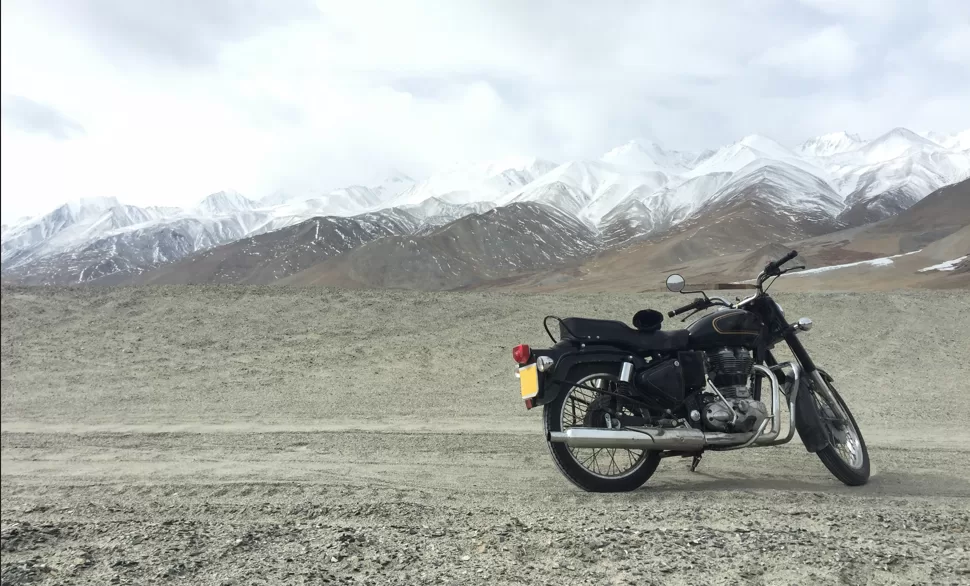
(893, 172)
(788, 190)
(959, 141)
(278, 197)
(267, 257)
(71, 225)
(736, 156)
(895, 143)
(505, 241)
(586, 189)
(785, 187)
(833, 143)
(488, 181)
(649, 210)
(632, 191)
(876, 191)
(648, 156)
(223, 203)
(391, 186)
(435, 211)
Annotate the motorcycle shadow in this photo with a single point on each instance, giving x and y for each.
(890, 483)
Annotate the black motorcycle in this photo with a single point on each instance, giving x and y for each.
(617, 399)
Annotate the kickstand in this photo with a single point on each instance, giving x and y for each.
(695, 462)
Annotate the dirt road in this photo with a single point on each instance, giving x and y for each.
(271, 436)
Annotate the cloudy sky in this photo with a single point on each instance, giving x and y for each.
(164, 102)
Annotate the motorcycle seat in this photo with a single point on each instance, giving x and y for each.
(605, 330)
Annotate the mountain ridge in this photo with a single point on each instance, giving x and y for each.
(639, 190)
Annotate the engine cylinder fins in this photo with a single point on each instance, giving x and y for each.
(730, 369)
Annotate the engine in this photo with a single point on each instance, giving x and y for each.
(730, 371)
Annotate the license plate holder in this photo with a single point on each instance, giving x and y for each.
(529, 381)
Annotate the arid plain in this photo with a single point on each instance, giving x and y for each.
(272, 435)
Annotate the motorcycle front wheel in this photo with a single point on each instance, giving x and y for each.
(594, 469)
(846, 456)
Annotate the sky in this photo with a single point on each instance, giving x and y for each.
(164, 102)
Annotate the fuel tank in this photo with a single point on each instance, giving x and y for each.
(727, 327)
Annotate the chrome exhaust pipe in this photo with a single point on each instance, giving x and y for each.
(647, 438)
(639, 438)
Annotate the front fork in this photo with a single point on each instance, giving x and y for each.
(812, 372)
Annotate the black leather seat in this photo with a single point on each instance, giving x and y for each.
(592, 330)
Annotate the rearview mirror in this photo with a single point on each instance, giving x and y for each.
(675, 283)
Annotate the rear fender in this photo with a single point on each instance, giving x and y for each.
(807, 420)
(568, 359)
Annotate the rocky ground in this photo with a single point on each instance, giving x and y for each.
(232, 435)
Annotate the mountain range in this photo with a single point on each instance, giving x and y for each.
(475, 223)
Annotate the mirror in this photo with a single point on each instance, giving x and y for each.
(675, 283)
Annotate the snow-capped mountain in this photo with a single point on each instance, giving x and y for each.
(649, 156)
(389, 187)
(436, 212)
(586, 189)
(71, 225)
(267, 257)
(501, 242)
(638, 190)
(833, 143)
(896, 143)
(469, 183)
(224, 203)
(83, 234)
(959, 141)
(750, 149)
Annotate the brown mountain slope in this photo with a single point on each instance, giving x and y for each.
(514, 239)
(271, 256)
(938, 225)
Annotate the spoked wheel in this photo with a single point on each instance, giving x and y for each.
(846, 456)
(595, 469)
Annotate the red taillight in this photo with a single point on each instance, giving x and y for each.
(521, 353)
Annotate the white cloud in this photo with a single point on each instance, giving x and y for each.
(191, 98)
(953, 46)
(826, 53)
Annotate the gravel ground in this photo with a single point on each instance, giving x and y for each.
(231, 435)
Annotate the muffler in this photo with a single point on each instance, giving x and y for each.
(640, 438)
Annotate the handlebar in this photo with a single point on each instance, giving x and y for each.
(695, 304)
(772, 267)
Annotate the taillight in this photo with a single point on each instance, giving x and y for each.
(521, 353)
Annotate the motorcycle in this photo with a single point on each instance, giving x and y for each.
(617, 399)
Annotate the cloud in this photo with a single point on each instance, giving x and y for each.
(37, 118)
(826, 53)
(179, 32)
(953, 46)
(182, 98)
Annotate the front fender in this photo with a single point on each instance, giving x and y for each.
(807, 420)
(568, 360)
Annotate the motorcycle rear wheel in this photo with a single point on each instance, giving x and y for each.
(594, 470)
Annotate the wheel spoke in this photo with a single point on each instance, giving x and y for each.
(586, 407)
(842, 434)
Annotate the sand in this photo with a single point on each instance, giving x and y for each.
(240, 435)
